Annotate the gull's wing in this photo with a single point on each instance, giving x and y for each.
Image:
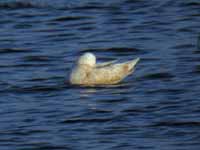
(106, 63)
(112, 74)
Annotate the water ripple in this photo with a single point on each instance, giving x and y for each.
(93, 120)
(16, 5)
(13, 50)
(177, 124)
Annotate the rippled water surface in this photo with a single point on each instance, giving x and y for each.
(158, 107)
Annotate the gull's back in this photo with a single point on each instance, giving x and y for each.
(112, 74)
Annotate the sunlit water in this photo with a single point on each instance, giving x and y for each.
(158, 107)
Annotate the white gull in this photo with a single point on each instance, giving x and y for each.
(87, 72)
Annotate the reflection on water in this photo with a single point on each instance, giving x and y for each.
(88, 92)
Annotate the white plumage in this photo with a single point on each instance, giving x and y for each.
(87, 72)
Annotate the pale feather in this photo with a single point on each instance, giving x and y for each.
(105, 74)
(106, 63)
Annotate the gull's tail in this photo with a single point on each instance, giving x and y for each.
(131, 64)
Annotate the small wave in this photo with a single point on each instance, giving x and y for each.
(59, 5)
(89, 7)
(114, 101)
(17, 89)
(22, 65)
(176, 123)
(183, 46)
(191, 3)
(86, 28)
(12, 50)
(135, 111)
(197, 69)
(198, 42)
(94, 6)
(185, 29)
(169, 91)
(38, 58)
(126, 50)
(71, 18)
(84, 120)
(26, 4)
(40, 79)
(17, 5)
(159, 75)
(133, 2)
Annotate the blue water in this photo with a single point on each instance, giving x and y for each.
(156, 108)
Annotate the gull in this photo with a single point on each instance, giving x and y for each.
(89, 73)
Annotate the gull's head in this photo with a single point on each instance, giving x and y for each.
(87, 59)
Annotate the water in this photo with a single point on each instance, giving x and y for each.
(155, 108)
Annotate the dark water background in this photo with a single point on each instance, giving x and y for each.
(158, 107)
